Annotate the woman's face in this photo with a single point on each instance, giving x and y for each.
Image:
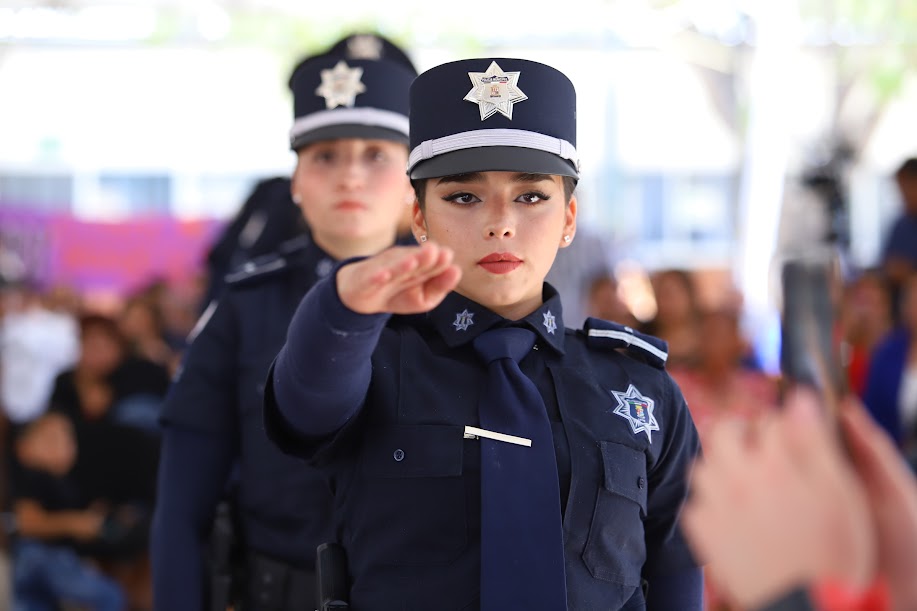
(505, 229)
(352, 189)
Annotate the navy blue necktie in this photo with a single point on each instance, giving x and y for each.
(522, 552)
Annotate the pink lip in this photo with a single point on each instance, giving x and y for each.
(500, 262)
(349, 205)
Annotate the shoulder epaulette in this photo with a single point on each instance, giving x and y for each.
(268, 265)
(261, 267)
(605, 334)
(294, 244)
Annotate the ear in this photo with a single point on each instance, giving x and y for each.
(294, 182)
(569, 223)
(418, 222)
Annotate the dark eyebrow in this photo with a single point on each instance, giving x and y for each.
(479, 177)
(527, 177)
(462, 178)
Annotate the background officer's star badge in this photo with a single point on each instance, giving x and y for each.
(341, 85)
(636, 409)
(495, 91)
(463, 320)
(549, 322)
(364, 46)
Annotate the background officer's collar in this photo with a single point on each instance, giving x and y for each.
(459, 320)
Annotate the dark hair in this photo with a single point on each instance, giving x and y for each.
(908, 169)
(420, 188)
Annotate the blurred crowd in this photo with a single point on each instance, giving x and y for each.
(81, 386)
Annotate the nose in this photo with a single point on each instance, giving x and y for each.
(501, 222)
(352, 174)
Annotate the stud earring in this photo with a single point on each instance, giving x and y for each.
(567, 239)
(423, 239)
(297, 198)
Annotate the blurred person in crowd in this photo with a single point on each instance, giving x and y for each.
(575, 267)
(350, 138)
(75, 501)
(108, 383)
(141, 325)
(604, 302)
(268, 218)
(790, 518)
(37, 342)
(865, 318)
(719, 386)
(891, 385)
(676, 315)
(899, 253)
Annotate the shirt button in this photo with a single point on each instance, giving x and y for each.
(641, 482)
(398, 455)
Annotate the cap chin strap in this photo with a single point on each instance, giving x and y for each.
(492, 137)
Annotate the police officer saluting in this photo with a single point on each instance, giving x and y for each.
(350, 135)
(482, 455)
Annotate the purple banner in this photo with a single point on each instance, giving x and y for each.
(59, 249)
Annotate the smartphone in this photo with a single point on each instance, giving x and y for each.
(810, 342)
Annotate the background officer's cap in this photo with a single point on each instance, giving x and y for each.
(371, 46)
(352, 92)
(479, 115)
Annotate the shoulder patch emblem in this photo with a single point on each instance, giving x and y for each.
(637, 410)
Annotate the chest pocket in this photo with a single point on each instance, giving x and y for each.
(616, 549)
(415, 503)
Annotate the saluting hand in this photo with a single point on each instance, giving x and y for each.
(400, 280)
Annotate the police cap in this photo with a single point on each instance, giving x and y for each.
(336, 97)
(479, 115)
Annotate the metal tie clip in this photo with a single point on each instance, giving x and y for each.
(472, 432)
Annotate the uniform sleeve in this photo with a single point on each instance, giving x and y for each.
(667, 550)
(202, 397)
(192, 474)
(320, 377)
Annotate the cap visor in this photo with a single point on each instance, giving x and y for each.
(494, 159)
(351, 130)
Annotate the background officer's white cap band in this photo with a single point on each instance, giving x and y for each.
(350, 116)
(429, 149)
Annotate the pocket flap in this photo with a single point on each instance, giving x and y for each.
(625, 472)
(418, 450)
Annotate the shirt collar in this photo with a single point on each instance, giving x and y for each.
(459, 320)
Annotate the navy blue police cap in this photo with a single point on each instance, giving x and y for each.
(479, 115)
(366, 45)
(336, 97)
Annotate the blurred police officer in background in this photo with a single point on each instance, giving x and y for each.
(350, 135)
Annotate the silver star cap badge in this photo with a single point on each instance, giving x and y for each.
(364, 46)
(341, 85)
(495, 91)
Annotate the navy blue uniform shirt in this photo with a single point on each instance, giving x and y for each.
(382, 409)
(213, 424)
